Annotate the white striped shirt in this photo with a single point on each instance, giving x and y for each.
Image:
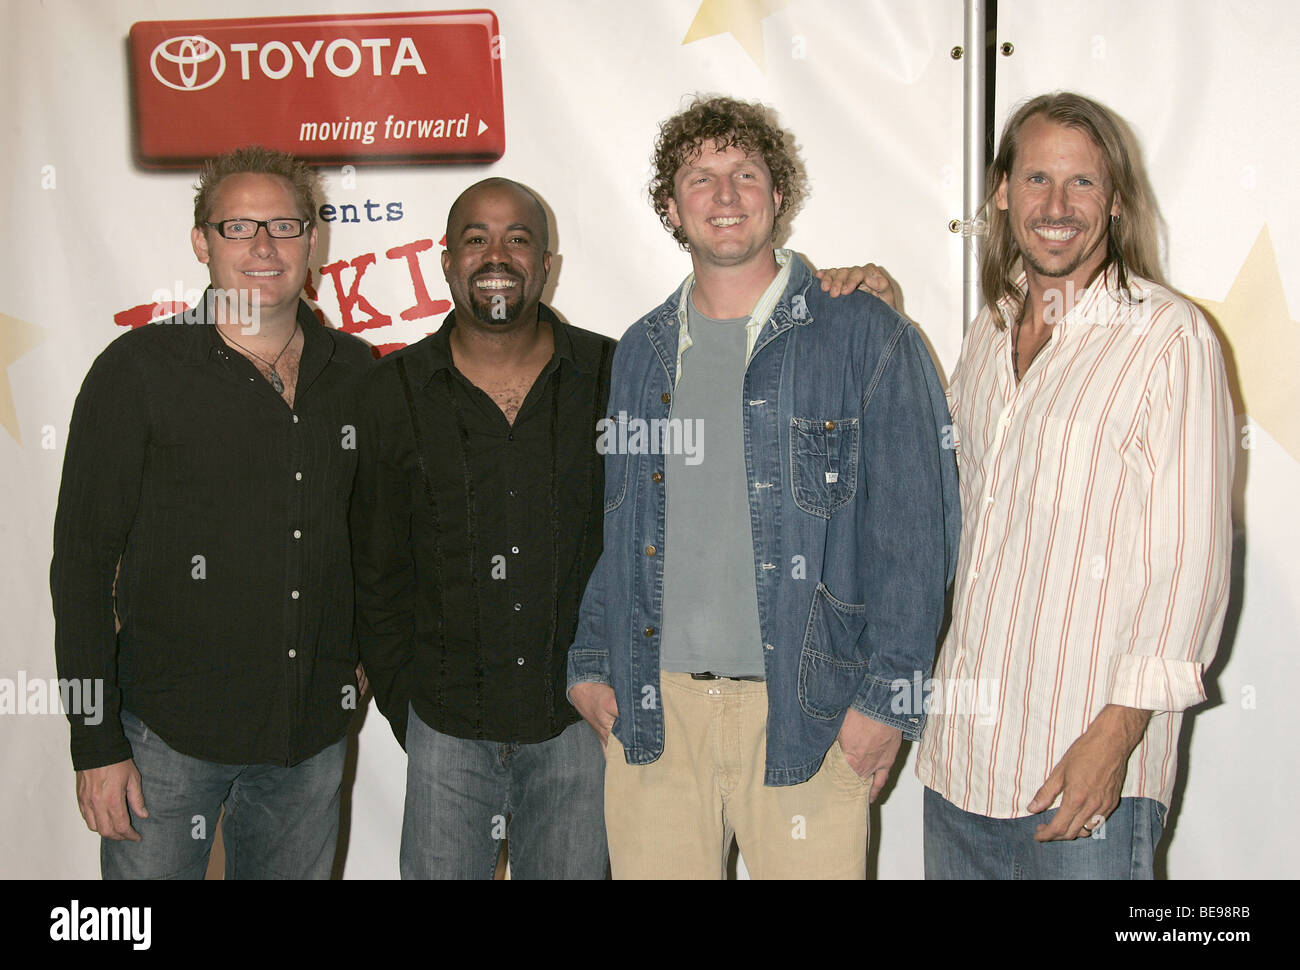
(1095, 547)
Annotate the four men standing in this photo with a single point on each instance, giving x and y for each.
(779, 507)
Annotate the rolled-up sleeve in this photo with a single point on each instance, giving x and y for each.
(1186, 536)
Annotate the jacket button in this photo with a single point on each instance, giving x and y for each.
(665, 397)
(650, 550)
(649, 631)
(657, 477)
(829, 425)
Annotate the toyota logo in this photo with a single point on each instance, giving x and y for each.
(186, 59)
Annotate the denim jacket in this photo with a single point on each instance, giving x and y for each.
(853, 508)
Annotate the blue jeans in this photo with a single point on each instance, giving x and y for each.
(280, 823)
(461, 795)
(963, 845)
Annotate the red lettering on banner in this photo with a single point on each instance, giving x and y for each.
(424, 307)
(138, 316)
(353, 298)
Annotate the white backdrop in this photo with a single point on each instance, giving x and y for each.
(1210, 88)
(874, 98)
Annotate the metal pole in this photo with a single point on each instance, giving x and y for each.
(972, 157)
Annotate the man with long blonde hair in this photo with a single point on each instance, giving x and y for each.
(1094, 441)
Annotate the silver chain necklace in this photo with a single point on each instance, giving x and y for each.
(276, 382)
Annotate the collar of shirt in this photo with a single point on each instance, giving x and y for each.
(438, 356)
(206, 344)
(1102, 304)
(761, 313)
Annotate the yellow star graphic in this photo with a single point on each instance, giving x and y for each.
(743, 19)
(1261, 345)
(17, 337)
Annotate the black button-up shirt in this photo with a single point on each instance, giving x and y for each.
(473, 539)
(228, 512)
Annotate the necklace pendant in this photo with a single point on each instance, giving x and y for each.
(276, 382)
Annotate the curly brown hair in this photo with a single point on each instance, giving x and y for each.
(259, 160)
(726, 122)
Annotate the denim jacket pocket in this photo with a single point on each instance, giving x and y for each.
(612, 445)
(830, 675)
(823, 463)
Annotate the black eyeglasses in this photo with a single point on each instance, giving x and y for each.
(247, 228)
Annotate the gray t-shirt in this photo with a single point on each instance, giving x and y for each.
(710, 619)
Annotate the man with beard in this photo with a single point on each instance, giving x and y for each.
(1094, 441)
(476, 520)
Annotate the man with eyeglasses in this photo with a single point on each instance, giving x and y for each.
(201, 559)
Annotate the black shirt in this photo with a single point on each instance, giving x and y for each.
(228, 511)
(473, 539)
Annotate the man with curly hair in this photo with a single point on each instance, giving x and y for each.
(781, 521)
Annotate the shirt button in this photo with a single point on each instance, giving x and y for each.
(657, 477)
(829, 425)
(649, 631)
(515, 550)
(510, 436)
(294, 594)
(297, 476)
(768, 646)
(512, 493)
(988, 499)
(518, 607)
(295, 419)
(650, 550)
(297, 533)
(292, 654)
(665, 397)
(520, 661)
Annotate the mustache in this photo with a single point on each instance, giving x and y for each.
(495, 269)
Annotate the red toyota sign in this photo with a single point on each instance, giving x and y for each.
(376, 88)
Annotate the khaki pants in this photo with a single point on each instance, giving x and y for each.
(674, 819)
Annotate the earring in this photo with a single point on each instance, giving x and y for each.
(1114, 220)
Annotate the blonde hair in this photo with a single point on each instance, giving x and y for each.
(1132, 242)
(258, 160)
